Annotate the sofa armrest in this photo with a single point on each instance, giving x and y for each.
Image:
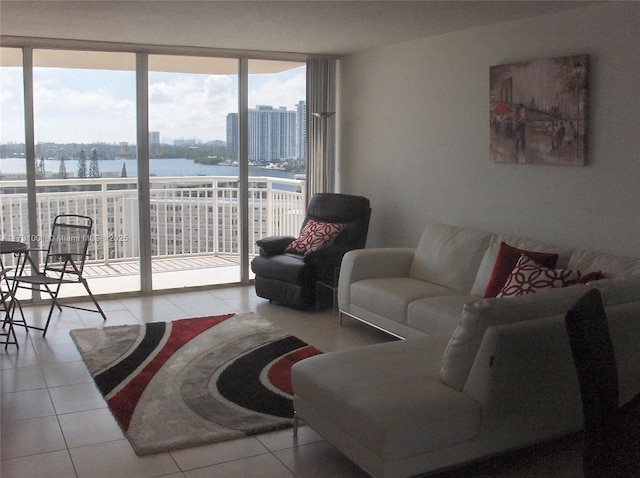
(524, 375)
(478, 316)
(525, 379)
(371, 263)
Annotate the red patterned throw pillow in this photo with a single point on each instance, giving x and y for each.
(313, 235)
(529, 276)
(507, 259)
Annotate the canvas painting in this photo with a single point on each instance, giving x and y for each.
(538, 111)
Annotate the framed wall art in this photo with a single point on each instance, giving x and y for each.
(538, 111)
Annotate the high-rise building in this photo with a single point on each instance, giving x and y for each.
(275, 134)
(154, 139)
(272, 134)
(301, 130)
(232, 134)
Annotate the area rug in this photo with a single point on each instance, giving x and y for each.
(189, 382)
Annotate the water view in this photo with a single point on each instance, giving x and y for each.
(158, 167)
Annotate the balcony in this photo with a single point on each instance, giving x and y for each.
(195, 224)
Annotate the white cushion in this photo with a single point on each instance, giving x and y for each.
(391, 296)
(449, 256)
(437, 315)
(393, 409)
(610, 265)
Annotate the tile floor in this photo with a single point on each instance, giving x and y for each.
(54, 422)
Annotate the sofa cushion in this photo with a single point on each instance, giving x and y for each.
(506, 261)
(528, 277)
(489, 259)
(395, 410)
(610, 265)
(478, 316)
(437, 315)
(449, 256)
(391, 296)
(314, 234)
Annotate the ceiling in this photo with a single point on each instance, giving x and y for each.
(304, 26)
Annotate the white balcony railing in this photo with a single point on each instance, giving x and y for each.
(189, 215)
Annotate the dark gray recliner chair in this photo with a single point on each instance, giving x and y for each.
(290, 279)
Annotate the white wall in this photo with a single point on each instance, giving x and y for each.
(414, 134)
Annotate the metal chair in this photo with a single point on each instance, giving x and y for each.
(7, 306)
(8, 300)
(611, 432)
(64, 264)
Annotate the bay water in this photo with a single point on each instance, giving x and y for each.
(157, 167)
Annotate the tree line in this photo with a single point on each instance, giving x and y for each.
(93, 170)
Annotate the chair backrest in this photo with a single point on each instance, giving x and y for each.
(68, 245)
(3, 272)
(353, 211)
(594, 359)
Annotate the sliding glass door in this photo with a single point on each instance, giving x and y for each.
(224, 165)
(195, 163)
(13, 171)
(85, 153)
(277, 148)
(194, 174)
(84, 125)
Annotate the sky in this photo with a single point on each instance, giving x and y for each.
(87, 106)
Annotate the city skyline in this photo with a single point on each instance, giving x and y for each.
(86, 106)
(275, 135)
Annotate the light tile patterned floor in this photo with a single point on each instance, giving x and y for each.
(55, 423)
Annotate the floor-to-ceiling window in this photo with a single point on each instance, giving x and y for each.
(277, 147)
(13, 201)
(86, 121)
(83, 110)
(194, 171)
(85, 151)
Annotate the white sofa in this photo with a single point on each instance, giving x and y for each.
(412, 292)
(477, 376)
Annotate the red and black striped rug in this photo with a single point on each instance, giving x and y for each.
(189, 382)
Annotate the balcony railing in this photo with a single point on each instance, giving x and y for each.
(190, 216)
